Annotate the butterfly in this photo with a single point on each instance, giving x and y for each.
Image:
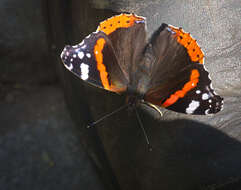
(167, 70)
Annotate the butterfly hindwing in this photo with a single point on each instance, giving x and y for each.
(199, 100)
(179, 80)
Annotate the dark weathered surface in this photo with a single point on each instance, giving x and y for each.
(189, 152)
(40, 148)
(24, 47)
(39, 145)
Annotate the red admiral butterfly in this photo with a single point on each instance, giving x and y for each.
(167, 71)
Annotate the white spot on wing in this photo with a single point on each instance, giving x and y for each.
(170, 30)
(198, 91)
(192, 107)
(88, 55)
(81, 54)
(210, 101)
(139, 21)
(211, 86)
(83, 47)
(205, 96)
(207, 111)
(214, 92)
(74, 56)
(84, 71)
(62, 54)
(70, 67)
(81, 43)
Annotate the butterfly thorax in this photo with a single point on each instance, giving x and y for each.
(133, 100)
(136, 91)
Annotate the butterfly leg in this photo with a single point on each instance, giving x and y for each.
(107, 115)
(143, 129)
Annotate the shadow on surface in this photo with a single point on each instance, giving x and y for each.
(186, 154)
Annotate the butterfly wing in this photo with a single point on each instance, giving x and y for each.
(128, 36)
(179, 81)
(105, 57)
(94, 61)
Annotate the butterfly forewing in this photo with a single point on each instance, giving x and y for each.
(128, 36)
(94, 61)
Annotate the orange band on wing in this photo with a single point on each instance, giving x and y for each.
(100, 66)
(100, 43)
(194, 78)
(120, 21)
(185, 39)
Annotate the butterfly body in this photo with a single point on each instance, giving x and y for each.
(167, 71)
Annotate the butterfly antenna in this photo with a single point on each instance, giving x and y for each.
(143, 129)
(107, 115)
